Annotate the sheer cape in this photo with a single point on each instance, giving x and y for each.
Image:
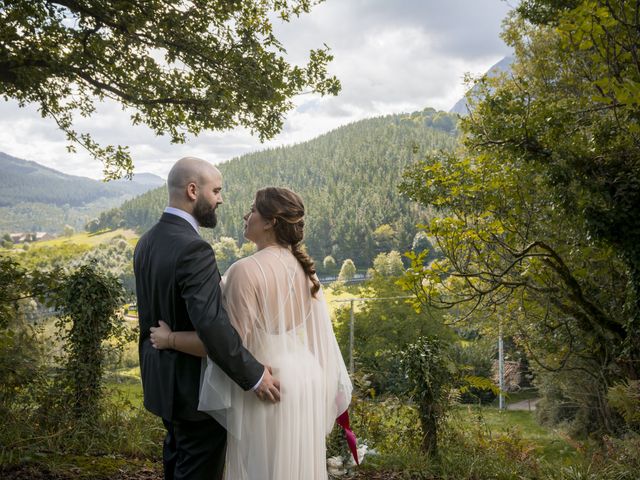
(269, 302)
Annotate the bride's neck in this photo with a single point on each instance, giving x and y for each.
(263, 245)
(266, 241)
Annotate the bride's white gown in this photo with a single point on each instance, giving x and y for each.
(269, 302)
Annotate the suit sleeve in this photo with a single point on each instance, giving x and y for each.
(199, 282)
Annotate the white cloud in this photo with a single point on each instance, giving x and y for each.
(391, 56)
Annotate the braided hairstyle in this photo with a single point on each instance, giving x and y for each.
(286, 207)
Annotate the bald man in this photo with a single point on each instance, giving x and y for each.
(177, 280)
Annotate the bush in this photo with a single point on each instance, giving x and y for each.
(625, 398)
(22, 362)
(387, 426)
(474, 359)
(577, 400)
(63, 406)
(329, 263)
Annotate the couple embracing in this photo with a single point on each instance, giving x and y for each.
(244, 370)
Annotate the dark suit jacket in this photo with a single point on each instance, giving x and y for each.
(177, 280)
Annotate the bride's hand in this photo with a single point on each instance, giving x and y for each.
(161, 336)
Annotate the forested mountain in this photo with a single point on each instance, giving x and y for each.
(347, 177)
(26, 181)
(34, 197)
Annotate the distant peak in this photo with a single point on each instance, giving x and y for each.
(504, 65)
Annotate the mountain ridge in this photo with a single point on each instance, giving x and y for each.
(34, 197)
(21, 177)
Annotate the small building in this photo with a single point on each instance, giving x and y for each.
(23, 237)
(44, 236)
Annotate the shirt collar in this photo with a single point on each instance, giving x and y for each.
(182, 214)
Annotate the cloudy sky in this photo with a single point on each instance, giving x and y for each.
(391, 56)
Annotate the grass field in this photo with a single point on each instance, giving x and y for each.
(516, 397)
(83, 240)
(334, 302)
(550, 444)
(130, 391)
(89, 239)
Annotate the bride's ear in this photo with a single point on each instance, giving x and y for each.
(270, 224)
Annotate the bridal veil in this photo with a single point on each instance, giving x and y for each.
(269, 302)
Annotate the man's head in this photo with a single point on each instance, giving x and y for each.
(195, 186)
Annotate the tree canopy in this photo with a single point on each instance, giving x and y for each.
(575, 99)
(178, 67)
(538, 222)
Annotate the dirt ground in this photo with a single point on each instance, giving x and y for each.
(41, 472)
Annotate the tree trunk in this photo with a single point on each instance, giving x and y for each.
(631, 355)
(429, 423)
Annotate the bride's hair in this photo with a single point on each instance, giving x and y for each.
(286, 207)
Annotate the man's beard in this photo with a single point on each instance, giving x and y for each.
(205, 214)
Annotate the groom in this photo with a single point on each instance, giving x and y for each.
(177, 280)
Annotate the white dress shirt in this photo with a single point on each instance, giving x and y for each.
(182, 214)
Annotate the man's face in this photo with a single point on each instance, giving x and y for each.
(209, 197)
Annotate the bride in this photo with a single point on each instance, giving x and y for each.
(275, 302)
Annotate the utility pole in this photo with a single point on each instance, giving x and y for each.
(351, 328)
(501, 367)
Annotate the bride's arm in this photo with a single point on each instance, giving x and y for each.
(186, 342)
(240, 296)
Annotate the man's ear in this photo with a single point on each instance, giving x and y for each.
(192, 191)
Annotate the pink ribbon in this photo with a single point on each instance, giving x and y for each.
(343, 421)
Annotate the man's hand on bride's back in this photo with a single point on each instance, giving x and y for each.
(269, 388)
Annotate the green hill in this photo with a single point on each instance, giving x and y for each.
(347, 177)
(37, 198)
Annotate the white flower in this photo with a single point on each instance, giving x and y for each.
(336, 466)
(362, 451)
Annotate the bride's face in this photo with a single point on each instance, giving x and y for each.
(256, 227)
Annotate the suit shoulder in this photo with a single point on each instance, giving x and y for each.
(194, 247)
(147, 236)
